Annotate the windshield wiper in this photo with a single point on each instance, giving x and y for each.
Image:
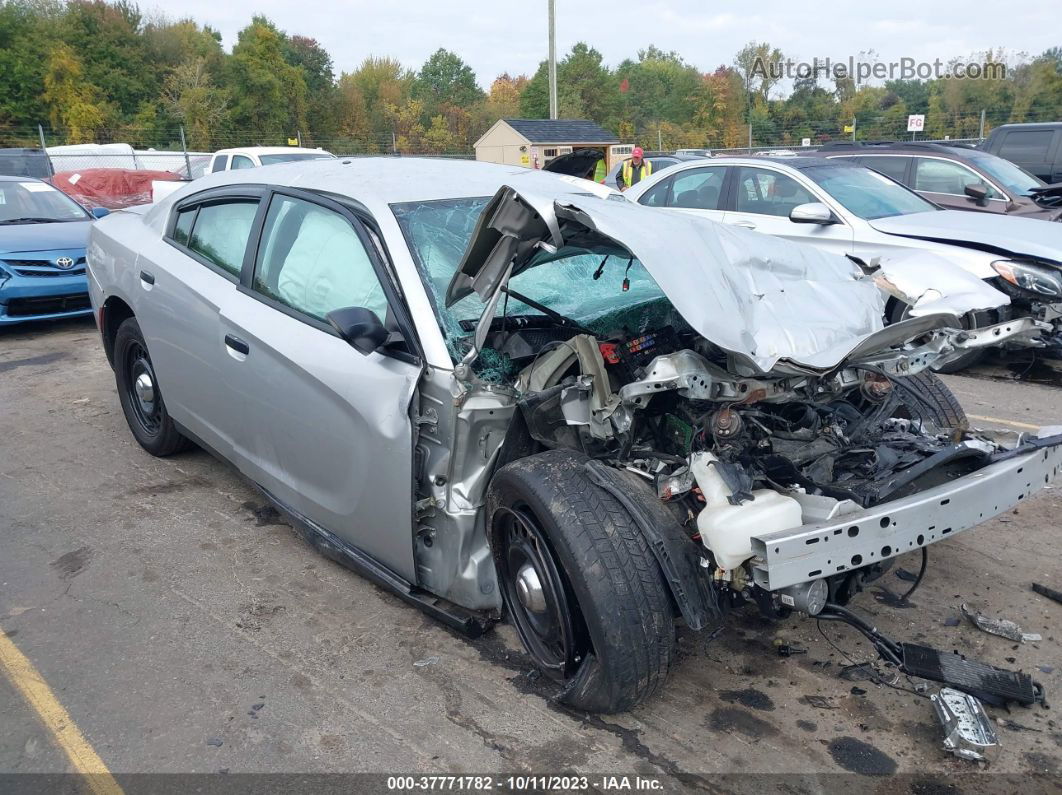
(30, 220)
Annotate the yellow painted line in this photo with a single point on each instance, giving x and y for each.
(28, 681)
(1024, 425)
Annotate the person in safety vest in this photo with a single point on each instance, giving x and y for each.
(600, 172)
(634, 170)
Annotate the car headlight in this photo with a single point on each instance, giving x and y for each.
(1039, 279)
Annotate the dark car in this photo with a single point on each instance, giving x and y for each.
(1035, 147)
(956, 177)
(25, 163)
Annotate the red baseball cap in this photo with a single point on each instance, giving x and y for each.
(637, 152)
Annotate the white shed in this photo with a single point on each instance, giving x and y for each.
(534, 142)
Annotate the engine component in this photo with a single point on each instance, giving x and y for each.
(726, 425)
(968, 732)
(727, 529)
(807, 597)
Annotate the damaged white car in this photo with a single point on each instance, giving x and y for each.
(497, 394)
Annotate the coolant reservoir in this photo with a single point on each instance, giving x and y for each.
(727, 529)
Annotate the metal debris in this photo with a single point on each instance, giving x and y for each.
(968, 732)
(998, 626)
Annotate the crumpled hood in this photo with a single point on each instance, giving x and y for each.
(43, 237)
(761, 298)
(1007, 235)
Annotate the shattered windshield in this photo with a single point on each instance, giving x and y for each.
(602, 294)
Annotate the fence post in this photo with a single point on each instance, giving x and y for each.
(298, 137)
(44, 148)
(981, 131)
(184, 148)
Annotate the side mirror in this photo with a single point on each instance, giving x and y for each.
(100, 212)
(359, 327)
(978, 192)
(812, 213)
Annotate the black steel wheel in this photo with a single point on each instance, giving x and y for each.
(545, 616)
(140, 396)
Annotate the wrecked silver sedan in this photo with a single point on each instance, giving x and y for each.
(498, 394)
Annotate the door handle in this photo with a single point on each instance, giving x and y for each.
(743, 224)
(147, 278)
(237, 344)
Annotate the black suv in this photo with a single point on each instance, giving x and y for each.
(1035, 147)
(956, 176)
(25, 163)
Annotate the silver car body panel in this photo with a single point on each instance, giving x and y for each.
(861, 537)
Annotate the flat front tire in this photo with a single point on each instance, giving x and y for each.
(138, 390)
(580, 584)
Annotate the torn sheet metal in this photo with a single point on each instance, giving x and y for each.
(968, 731)
(930, 284)
(998, 626)
(758, 297)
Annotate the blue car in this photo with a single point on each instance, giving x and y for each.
(43, 233)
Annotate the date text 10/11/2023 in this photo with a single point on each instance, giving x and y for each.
(527, 783)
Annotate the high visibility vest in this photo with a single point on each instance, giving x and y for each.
(600, 172)
(628, 170)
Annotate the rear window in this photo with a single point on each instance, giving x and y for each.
(1026, 144)
(25, 164)
(894, 167)
(218, 232)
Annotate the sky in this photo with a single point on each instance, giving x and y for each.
(496, 36)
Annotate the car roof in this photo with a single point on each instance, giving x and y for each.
(377, 182)
(14, 178)
(271, 150)
(799, 162)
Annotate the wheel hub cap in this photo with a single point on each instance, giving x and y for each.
(529, 589)
(145, 392)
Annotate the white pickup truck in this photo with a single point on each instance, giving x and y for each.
(244, 157)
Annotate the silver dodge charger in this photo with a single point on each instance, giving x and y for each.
(502, 393)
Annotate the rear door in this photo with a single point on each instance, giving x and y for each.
(896, 167)
(762, 198)
(186, 278)
(1035, 150)
(326, 430)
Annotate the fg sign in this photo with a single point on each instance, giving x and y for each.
(916, 123)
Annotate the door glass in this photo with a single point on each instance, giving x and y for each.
(943, 176)
(698, 189)
(239, 161)
(1024, 145)
(769, 193)
(221, 232)
(313, 261)
(894, 167)
(656, 196)
(183, 226)
(220, 163)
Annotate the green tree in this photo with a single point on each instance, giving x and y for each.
(192, 98)
(269, 95)
(71, 100)
(26, 30)
(586, 89)
(365, 95)
(444, 77)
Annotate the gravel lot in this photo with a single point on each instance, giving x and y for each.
(185, 628)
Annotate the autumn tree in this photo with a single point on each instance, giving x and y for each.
(269, 94)
(72, 101)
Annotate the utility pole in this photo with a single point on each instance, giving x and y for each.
(659, 140)
(552, 59)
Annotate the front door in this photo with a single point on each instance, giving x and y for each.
(762, 199)
(326, 429)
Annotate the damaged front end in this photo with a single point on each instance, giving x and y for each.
(797, 443)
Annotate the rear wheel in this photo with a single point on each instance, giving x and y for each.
(139, 393)
(581, 586)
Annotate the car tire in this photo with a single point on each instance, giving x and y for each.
(969, 320)
(138, 391)
(925, 395)
(601, 623)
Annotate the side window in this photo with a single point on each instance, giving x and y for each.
(698, 189)
(769, 192)
(312, 260)
(221, 231)
(183, 227)
(220, 163)
(1026, 145)
(893, 167)
(242, 161)
(943, 176)
(656, 196)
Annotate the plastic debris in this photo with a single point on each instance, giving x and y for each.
(426, 661)
(998, 626)
(951, 621)
(968, 732)
(1050, 593)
